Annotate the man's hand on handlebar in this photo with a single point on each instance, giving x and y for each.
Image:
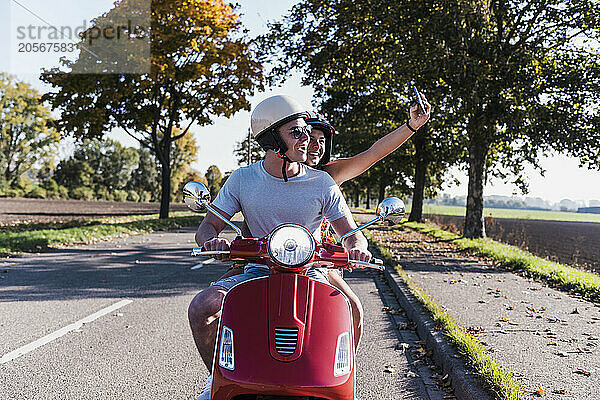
(359, 255)
(217, 244)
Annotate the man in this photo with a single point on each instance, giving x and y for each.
(279, 189)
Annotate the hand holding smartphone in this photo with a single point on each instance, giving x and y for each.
(419, 100)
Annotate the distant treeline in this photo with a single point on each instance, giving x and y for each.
(106, 170)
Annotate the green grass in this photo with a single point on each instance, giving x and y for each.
(501, 382)
(507, 213)
(569, 278)
(17, 239)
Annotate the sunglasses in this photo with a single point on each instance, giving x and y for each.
(298, 131)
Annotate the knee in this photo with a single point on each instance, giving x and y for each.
(204, 306)
(357, 309)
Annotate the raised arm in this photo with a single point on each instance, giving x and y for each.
(344, 169)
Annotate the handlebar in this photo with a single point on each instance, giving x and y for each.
(199, 251)
(377, 263)
(362, 264)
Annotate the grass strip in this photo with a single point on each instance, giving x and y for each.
(568, 278)
(502, 382)
(501, 213)
(14, 242)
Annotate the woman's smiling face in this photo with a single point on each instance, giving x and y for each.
(316, 147)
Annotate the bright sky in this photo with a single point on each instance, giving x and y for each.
(563, 178)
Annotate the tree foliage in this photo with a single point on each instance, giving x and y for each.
(102, 167)
(213, 178)
(201, 66)
(26, 134)
(512, 79)
(241, 152)
(354, 54)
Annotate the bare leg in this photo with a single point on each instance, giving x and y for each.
(357, 311)
(203, 313)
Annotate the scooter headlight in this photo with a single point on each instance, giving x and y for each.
(291, 245)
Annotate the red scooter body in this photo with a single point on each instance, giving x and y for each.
(264, 314)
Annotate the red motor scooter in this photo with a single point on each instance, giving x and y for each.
(285, 336)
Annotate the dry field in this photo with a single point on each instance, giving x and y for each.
(570, 243)
(18, 210)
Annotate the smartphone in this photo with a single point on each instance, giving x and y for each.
(419, 100)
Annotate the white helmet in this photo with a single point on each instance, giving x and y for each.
(273, 112)
(269, 115)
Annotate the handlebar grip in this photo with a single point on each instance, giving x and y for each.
(199, 251)
(363, 264)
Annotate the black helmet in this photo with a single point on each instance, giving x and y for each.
(317, 121)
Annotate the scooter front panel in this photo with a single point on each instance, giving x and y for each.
(254, 309)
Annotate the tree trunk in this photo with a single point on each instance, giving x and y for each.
(416, 208)
(474, 222)
(368, 198)
(381, 194)
(165, 196)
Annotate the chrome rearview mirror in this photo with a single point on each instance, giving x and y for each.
(389, 206)
(196, 195)
(197, 198)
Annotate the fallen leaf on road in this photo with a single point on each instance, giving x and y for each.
(583, 372)
(118, 314)
(402, 346)
(411, 374)
(475, 330)
(390, 369)
(540, 392)
(559, 391)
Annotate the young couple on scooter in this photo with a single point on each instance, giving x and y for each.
(282, 189)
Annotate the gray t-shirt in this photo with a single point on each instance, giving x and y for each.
(267, 201)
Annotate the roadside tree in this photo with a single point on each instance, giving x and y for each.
(527, 77)
(102, 167)
(201, 66)
(27, 138)
(213, 178)
(354, 53)
(515, 78)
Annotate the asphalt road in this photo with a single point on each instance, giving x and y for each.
(144, 349)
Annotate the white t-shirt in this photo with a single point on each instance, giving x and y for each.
(267, 201)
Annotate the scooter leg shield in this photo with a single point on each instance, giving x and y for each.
(284, 335)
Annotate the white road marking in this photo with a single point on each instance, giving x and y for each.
(61, 332)
(203, 263)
